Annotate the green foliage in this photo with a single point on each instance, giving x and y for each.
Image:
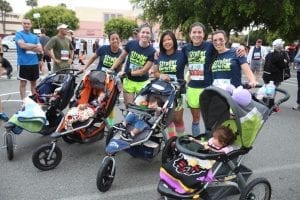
(4, 8)
(32, 3)
(122, 26)
(281, 17)
(51, 16)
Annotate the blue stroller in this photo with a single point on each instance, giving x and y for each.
(190, 171)
(147, 144)
(41, 112)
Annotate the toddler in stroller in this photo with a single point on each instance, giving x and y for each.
(85, 121)
(146, 144)
(194, 172)
(139, 125)
(42, 111)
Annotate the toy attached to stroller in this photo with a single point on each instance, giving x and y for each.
(41, 112)
(190, 171)
(147, 143)
(85, 121)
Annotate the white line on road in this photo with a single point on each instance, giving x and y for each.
(152, 187)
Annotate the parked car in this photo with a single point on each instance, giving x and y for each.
(8, 43)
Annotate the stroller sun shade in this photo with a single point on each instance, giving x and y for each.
(217, 108)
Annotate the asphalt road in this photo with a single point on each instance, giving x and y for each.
(275, 156)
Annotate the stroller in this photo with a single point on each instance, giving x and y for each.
(82, 127)
(147, 144)
(41, 112)
(190, 171)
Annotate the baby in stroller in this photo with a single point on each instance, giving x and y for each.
(195, 171)
(139, 125)
(221, 140)
(92, 98)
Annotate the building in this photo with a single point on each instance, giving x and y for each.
(13, 23)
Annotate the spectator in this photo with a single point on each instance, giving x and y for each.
(28, 45)
(62, 48)
(275, 63)
(96, 45)
(44, 39)
(256, 57)
(5, 68)
(297, 64)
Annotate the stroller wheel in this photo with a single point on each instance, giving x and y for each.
(106, 175)
(9, 146)
(257, 189)
(169, 152)
(43, 161)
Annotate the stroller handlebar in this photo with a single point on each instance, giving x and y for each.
(277, 102)
(203, 154)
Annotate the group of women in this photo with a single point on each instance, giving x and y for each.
(207, 63)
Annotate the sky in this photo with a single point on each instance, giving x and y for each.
(19, 6)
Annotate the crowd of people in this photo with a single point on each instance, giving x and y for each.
(208, 62)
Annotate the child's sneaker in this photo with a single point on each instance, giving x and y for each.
(126, 136)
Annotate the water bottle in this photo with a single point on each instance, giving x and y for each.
(270, 94)
(270, 89)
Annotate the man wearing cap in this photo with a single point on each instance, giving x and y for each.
(28, 45)
(62, 49)
(256, 57)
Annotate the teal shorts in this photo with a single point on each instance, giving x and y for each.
(193, 97)
(130, 86)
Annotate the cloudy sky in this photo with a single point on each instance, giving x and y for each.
(19, 6)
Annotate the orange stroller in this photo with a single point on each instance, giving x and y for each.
(85, 121)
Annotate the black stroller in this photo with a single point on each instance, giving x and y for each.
(183, 177)
(147, 144)
(53, 95)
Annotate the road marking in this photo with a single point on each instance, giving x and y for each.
(152, 187)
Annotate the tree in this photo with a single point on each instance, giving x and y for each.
(122, 26)
(51, 16)
(32, 3)
(4, 8)
(227, 15)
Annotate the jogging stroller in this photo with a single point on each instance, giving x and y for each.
(147, 144)
(82, 126)
(42, 111)
(191, 172)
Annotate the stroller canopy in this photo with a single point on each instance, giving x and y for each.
(162, 89)
(218, 108)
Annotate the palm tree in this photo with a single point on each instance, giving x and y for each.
(32, 3)
(4, 8)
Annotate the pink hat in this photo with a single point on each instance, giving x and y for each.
(241, 96)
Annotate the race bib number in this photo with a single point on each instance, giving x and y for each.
(256, 55)
(221, 83)
(64, 55)
(196, 71)
(134, 67)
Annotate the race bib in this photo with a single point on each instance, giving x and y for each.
(256, 55)
(64, 55)
(196, 71)
(221, 83)
(134, 67)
